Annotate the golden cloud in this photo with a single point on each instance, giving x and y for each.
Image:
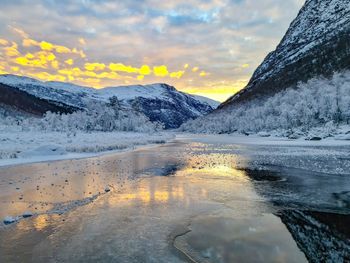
(203, 73)
(51, 61)
(82, 41)
(3, 42)
(12, 51)
(69, 61)
(177, 74)
(94, 66)
(160, 71)
(19, 32)
(145, 70)
(122, 68)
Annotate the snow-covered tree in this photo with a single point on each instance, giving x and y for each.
(317, 103)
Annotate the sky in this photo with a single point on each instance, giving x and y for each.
(204, 47)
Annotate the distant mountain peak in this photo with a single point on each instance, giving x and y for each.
(160, 102)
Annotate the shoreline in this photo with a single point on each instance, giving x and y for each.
(235, 139)
(125, 144)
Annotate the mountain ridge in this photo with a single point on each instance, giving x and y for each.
(159, 102)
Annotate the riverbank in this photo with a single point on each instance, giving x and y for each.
(20, 147)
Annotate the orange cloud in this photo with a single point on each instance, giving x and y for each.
(94, 66)
(69, 61)
(3, 42)
(49, 61)
(122, 68)
(62, 49)
(82, 41)
(12, 51)
(145, 70)
(160, 71)
(203, 73)
(27, 42)
(47, 76)
(177, 74)
(55, 64)
(19, 32)
(39, 59)
(46, 45)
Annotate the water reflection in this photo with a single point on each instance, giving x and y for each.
(323, 237)
(191, 196)
(41, 187)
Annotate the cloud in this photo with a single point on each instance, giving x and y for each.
(69, 61)
(203, 73)
(177, 74)
(144, 41)
(3, 42)
(160, 71)
(122, 68)
(82, 41)
(145, 70)
(94, 66)
(12, 51)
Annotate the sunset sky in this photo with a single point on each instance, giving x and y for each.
(205, 47)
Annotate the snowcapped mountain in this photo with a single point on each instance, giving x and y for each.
(302, 88)
(159, 102)
(316, 44)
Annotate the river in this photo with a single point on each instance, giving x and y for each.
(178, 202)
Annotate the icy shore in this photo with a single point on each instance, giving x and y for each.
(18, 147)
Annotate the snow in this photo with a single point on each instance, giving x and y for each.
(33, 146)
(151, 91)
(45, 150)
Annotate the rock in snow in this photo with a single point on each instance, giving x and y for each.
(27, 214)
(9, 220)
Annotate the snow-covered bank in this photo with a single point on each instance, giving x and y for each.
(325, 156)
(19, 147)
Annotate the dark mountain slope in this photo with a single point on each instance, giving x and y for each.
(25, 102)
(316, 44)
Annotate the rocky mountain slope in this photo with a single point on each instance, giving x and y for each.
(316, 44)
(159, 102)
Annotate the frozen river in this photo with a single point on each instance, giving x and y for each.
(184, 201)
